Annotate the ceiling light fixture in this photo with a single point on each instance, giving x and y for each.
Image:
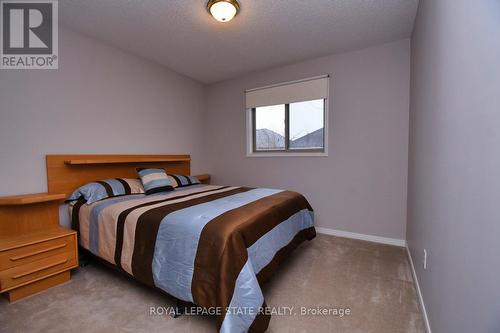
(223, 10)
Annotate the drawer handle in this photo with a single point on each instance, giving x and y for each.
(40, 269)
(38, 252)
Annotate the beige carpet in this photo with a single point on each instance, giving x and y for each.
(374, 281)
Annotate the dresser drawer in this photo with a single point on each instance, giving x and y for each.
(26, 254)
(35, 270)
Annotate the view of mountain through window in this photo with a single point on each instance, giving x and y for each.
(305, 122)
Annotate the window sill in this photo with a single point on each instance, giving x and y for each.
(287, 154)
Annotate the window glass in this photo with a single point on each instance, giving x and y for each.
(307, 125)
(270, 127)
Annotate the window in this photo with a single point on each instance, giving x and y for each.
(298, 126)
(289, 127)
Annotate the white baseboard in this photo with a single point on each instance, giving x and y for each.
(419, 292)
(370, 238)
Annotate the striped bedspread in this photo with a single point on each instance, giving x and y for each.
(210, 245)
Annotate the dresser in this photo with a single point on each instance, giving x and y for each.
(35, 252)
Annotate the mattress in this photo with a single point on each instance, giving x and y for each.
(206, 244)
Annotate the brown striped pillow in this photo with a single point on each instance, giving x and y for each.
(154, 180)
(108, 188)
(182, 180)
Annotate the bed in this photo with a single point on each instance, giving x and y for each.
(206, 244)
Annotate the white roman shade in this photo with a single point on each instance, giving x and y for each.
(288, 92)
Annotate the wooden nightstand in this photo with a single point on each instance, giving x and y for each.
(204, 179)
(35, 252)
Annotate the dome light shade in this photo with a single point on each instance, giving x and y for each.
(223, 10)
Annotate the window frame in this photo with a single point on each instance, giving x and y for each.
(252, 150)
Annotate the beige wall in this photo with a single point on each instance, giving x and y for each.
(101, 100)
(454, 164)
(361, 186)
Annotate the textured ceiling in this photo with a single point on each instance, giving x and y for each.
(181, 35)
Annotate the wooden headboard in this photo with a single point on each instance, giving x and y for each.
(65, 173)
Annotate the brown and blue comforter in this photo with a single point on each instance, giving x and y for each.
(210, 245)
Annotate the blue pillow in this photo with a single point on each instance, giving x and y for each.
(154, 180)
(108, 188)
